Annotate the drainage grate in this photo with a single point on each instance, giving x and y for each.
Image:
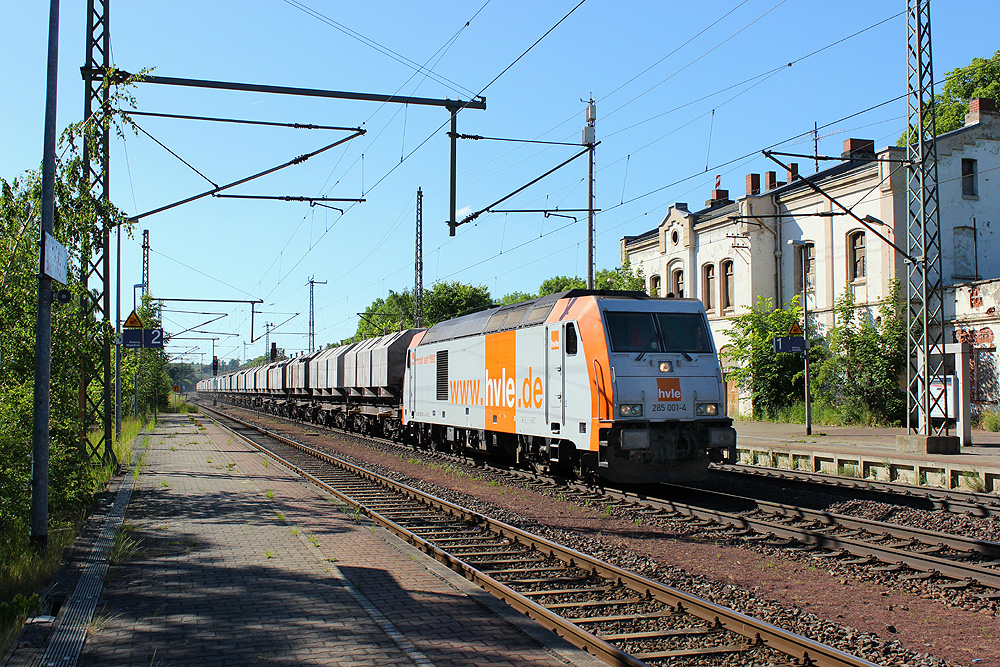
(64, 646)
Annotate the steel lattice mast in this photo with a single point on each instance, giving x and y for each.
(312, 318)
(925, 299)
(95, 255)
(418, 265)
(145, 262)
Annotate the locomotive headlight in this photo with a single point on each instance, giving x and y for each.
(707, 409)
(630, 409)
(666, 367)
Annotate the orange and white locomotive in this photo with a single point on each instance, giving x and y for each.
(613, 384)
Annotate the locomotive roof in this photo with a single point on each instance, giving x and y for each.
(513, 316)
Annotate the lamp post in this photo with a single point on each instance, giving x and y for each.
(805, 329)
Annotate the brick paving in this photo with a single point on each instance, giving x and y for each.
(240, 563)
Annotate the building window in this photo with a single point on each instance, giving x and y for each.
(708, 286)
(654, 285)
(856, 243)
(805, 254)
(677, 280)
(726, 268)
(970, 188)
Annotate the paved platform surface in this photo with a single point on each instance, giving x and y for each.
(242, 564)
(830, 438)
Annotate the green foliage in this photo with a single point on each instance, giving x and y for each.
(990, 420)
(443, 301)
(980, 78)
(773, 380)
(75, 353)
(146, 369)
(515, 297)
(622, 278)
(561, 284)
(868, 355)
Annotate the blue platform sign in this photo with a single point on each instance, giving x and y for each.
(132, 338)
(788, 344)
(152, 338)
(137, 338)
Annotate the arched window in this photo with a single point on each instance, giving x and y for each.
(708, 286)
(726, 269)
(805, 257)
(676, 280)
(856, 252)
(654, 285)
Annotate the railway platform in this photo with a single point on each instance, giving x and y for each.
(869, 452)
(225, 558)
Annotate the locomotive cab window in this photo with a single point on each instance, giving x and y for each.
(684, 332)
(631, 332)
(570, 339)
(658, 332)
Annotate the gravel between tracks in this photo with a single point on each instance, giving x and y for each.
(839, 605)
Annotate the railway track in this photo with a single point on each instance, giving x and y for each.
(952, 562)
(920, 497)
(913, 552)
(621, 617)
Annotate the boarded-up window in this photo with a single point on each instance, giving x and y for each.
(984, 375)
(965, 252)
(442, 374)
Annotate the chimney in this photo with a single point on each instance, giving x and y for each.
(753, 184)
(792, 173)
(719, 197)
(770, 180)
(855, 148)
(979, 106)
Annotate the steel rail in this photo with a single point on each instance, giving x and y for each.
(921, 562)
(952, 500)
(760, 633)
(831, 519)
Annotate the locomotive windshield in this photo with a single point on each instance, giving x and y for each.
(658, 332)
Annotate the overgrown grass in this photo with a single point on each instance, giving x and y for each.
(25, 571)
(990, 420)
(823, 413)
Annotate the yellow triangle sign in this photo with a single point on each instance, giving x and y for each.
(133, 321)
(796, 330)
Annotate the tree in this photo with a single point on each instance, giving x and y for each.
(443, 301)
(980, 78)
(621, 278)
(515, 297)
(392, 313)
(868, 355)
(561, 284)
(773, 380)
(78, 218)
(147, 369)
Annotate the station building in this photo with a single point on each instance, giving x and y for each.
(760, 244)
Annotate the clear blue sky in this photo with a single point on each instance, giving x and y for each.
(676, 96)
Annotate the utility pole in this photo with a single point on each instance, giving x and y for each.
(418, 265)
(312, 320)
(267, 340)
(589, 140)
(43, 319)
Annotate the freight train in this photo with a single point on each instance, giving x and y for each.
(591, 383)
